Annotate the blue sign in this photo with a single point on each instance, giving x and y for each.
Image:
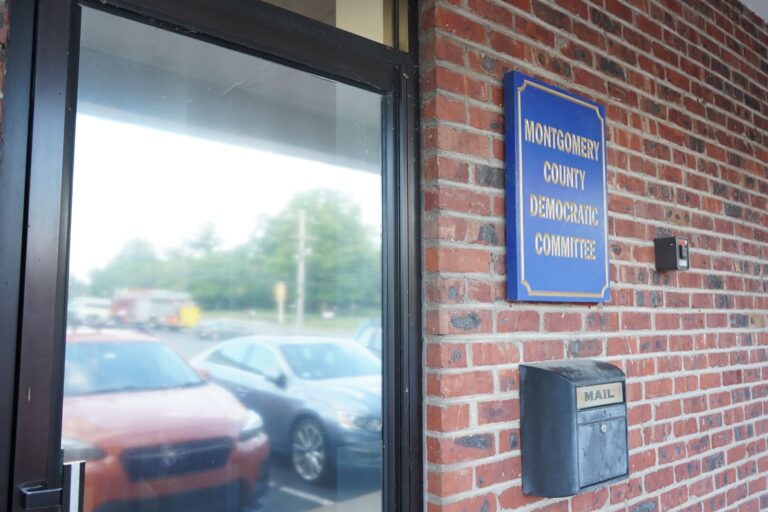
(557, 225)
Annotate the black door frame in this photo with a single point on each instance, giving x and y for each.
(13, 166)
(35, 186)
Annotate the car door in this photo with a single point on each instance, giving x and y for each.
(225, 367)
(269, 391)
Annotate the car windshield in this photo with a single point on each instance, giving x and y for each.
(109, 367)
(315, 361)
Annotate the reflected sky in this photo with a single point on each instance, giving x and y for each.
(133, 181)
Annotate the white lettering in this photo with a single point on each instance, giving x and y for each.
(564, 141)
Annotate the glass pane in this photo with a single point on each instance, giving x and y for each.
(371, 19)
(224, 317)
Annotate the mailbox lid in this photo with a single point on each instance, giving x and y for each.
(581, 372)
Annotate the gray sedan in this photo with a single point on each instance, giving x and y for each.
(320, 398)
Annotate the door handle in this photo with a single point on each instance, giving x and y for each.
(35, 497)
(68, 498)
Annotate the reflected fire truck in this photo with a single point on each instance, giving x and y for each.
(139, 307)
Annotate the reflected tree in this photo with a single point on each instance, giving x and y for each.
(136, 266)
(342, 262)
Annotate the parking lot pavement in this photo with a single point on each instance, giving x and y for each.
(288, 494)
(186, 344)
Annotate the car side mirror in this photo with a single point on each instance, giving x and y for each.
(280, 380)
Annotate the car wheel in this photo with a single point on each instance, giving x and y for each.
(309, 451)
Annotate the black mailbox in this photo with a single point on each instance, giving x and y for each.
(573, 420)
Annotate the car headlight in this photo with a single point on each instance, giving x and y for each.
(81, 450)
(253, 427)
(358, 421)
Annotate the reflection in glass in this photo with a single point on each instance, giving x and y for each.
(94, 368)
(224, 317)
(336, 381)
(371, 19)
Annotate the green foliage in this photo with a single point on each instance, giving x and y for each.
(138, 265)
(342, 262)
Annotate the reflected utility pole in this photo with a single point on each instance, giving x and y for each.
(281, 294)
(300, 262)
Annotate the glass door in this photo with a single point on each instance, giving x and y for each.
(219, 268)
(224, 304)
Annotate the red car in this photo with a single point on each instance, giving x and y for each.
(155, 435)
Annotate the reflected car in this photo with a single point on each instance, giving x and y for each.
(89, 311)
(369, 335)
(155, 435)
(320, 398)
(222, 329)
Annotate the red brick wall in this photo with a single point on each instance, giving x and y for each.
(684, 85)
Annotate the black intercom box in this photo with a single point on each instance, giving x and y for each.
(573, 417)
(672, 253)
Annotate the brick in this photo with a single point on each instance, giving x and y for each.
(508, 380)
(484, 503)
(543, 350)
(458, 25)
(448, 109)
(446, 169)
(446, 355)
(449, 51)
(659, 479)
(443, 321)
(494, 353)
(460, 141)
(445, 291)
(445, 419)
(457, 260)
(559, 322)
(491, 11)
(585, 348)
(551, 16)
(457, 200)
(459, 384)
(658, 388)
(447, 483)
(635, 321)
(674, 498)
(626, 490)
(589, 501)
(498, 411)
(496, 472)
(461, 448)
(517, 321)
(507, 45)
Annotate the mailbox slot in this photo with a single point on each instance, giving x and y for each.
(573, 427)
